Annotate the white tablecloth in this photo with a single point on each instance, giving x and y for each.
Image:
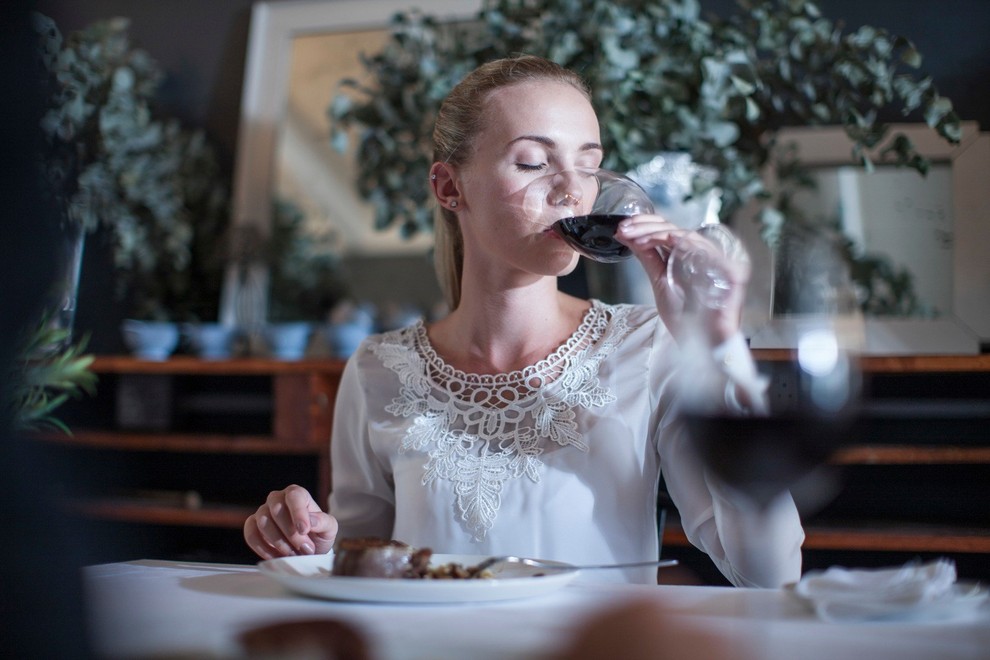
(168, 609)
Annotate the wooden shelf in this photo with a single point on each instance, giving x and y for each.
(898, 538)
(911, 455)
(201, 422)
(879, 538)
(185, 364)
(897, 363)
(135, 510)
(184, 442)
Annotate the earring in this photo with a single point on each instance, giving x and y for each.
(453, 203)
(433, 177)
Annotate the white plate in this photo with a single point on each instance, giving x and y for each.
(310, 575)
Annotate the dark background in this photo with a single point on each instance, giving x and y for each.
(202, 46)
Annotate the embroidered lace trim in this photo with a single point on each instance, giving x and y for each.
(480, 430)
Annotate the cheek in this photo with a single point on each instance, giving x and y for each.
(491, 190)
(531, 197)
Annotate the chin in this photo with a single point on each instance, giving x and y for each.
(564, 264)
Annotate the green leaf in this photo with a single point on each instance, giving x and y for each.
(937, 110)
(742, 86)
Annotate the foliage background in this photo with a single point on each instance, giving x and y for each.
(664, 77)
(152, 187)
(202, 47)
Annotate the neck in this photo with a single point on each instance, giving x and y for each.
(500, 331)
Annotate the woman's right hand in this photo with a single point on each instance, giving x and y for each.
(290, 523)
(652, 239)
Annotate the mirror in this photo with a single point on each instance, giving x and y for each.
(297, 51)
(934, 226)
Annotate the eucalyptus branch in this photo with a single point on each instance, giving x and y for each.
(112, 164)
(664, 78)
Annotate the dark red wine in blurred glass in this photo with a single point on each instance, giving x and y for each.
(594, 236)
(763, 457)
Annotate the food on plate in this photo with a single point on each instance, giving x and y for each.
(383, 558)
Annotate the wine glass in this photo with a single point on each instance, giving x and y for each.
(813, 403)
(701, 266)
(617, 197)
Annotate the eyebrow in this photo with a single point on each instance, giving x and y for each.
(587, 146)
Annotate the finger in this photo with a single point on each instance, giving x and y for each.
(323, 531)
(299, 504)
(655, 236)
(273, 534)
(286, 513)
(255, 541)
(642, 225)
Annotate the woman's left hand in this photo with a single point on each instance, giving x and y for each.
(651, 239)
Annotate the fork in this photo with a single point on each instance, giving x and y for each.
(557, 566)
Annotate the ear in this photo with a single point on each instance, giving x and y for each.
(443, 180)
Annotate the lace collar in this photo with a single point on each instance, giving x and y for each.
(477, 430)
(521, 383)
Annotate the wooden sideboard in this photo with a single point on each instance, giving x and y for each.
(211, 438)
(193, 445)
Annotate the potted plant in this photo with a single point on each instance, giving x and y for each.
(48, 370)
(304, 276)
(663, 77)
(149, 186)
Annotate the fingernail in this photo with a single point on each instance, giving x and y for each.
(306, 549)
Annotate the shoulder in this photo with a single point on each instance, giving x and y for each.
(629, 317)
(631, 329)
(385, 351)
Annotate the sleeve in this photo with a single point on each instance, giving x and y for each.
(752, 546)
(361, 498)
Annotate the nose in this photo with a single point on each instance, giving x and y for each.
(566, 189)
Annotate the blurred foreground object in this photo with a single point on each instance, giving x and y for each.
(646, 630)
(762, 456)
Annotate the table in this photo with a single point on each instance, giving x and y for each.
(165, 609)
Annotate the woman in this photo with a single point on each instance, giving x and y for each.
(527, 421)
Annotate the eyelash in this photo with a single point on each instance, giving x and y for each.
(526, 167)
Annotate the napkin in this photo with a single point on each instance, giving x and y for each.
(843, 594)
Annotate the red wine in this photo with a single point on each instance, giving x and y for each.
(765, 456)
(594, 236)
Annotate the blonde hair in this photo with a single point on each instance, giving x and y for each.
(459, 120)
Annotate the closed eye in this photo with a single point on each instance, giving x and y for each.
(527, 167)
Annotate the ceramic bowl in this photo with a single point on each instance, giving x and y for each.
(288, 341)
(211, 341)
(150, 340)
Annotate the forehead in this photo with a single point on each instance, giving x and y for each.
(548, 108)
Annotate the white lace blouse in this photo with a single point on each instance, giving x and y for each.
(559, 460)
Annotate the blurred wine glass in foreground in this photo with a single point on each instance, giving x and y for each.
(813, 398)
